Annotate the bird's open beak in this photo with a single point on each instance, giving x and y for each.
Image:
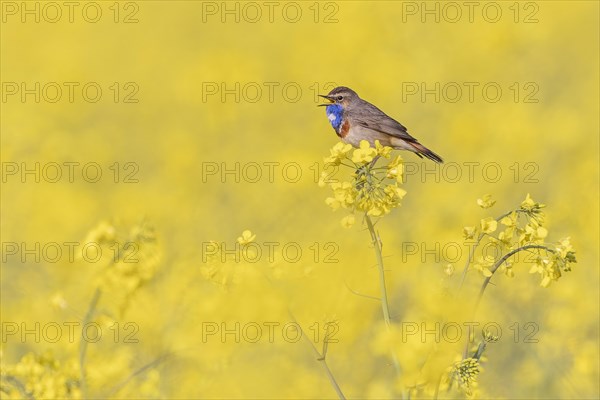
(325, 97)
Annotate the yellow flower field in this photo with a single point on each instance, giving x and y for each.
(180, 220)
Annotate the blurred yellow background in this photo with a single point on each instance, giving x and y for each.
(206, 125)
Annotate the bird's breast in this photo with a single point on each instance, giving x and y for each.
(335, 114)
(344, 129)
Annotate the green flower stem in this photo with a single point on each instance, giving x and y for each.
(502, 261)
(332, 380)
(322, 358)
(384, 299)
(378, 254)
(469, 259)
(83, 343)
(140, 371)
(486, 281)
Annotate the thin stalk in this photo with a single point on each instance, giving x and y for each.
(332, 380)
(83, 343)
(377, 245)
(115, 389)
(502, 261)
(322, 358)
(469, 259)
(486, 281)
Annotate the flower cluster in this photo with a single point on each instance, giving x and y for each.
(372, 189)
(465, 372)
(130, 255)
(520, 230)
(551, 268)
(44, 376)
(41, 377)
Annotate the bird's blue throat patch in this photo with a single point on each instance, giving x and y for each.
(334, 113)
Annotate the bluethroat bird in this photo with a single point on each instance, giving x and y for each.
(355, 119)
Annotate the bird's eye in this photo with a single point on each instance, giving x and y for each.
(340, 98)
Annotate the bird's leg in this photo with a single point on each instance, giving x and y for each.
(362, 173)
(361, 177)
(372, 164)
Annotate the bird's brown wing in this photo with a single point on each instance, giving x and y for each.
(371, 117)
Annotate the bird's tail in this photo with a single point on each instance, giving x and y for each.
(424, 151)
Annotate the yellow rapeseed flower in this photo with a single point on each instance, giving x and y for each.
(338, 153)
(488, 225)
(364, 154)
(348, 221)
(486, 202)
(246, 238)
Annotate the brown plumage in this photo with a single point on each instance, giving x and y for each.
(361, 120)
